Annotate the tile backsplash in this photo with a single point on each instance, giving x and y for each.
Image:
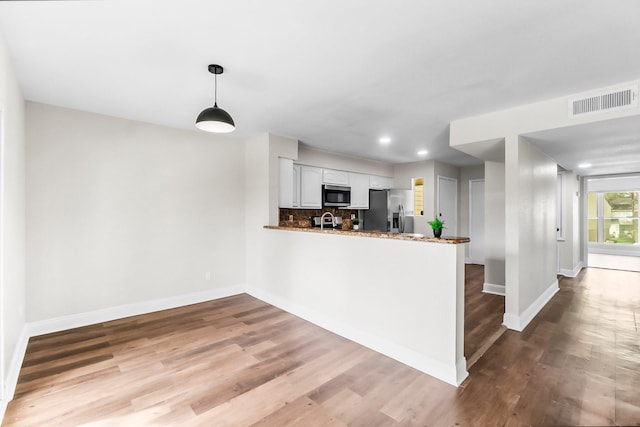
(302, 217)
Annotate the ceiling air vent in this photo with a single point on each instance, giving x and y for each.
(615, 99)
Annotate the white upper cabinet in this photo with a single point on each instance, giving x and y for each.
(301, 186)
(359, 190)
(380, 182)
(296, 187)
(286, 183)
(335, 177)
(310, 187)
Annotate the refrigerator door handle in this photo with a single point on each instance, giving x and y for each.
(401, 215)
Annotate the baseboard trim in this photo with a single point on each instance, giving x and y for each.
(453, 374)
(120, 312)
(14, 370)
(490, 288)
(571, 273)
(519, 323)
(461, 371)
(615, 250)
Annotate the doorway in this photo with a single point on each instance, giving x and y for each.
(613, 222)
(447, 208)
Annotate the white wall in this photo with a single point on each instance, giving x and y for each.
(279, 146)
(261, 193)
(466, 174)
(429, 170)
(494, 229)
(403, 173)
(121, 212)
(486, 131)
(531, 257)
(613, 183)
(311, 157)
(12, 226)
(449, 171)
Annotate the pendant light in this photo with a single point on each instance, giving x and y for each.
(215, 119)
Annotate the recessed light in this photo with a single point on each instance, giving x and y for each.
(385, 140)
(423, 153)
(584, 165)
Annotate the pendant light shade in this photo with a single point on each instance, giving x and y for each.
(215, 119)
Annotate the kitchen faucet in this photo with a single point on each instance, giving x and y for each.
(333, 220)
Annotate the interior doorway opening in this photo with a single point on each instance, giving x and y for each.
(613, 223)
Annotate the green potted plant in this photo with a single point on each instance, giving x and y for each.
(436, 225)
(356, 223)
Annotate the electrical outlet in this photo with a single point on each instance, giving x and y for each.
(207, 275)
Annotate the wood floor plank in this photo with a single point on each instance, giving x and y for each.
(250, 407)
(483, 313)
(240, 362)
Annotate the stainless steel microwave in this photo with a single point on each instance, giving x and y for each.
(336, 196)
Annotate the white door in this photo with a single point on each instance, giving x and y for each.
(476, 221)
(447, 208)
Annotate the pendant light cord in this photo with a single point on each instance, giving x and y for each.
(215, 90)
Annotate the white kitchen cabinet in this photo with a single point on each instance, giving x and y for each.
(380, 182)
(359, 190)
(335, 177)
(286, 183)
(296, 187)
(310, 187)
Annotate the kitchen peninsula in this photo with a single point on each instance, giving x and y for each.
(399, 294)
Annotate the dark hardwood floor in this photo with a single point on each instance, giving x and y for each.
(240, 362)
(483, 315)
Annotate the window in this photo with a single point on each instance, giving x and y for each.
(613, 218)
(592, 217)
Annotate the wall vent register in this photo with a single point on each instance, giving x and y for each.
(611, 100)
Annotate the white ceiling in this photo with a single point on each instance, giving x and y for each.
(335, 74)
(609, 146)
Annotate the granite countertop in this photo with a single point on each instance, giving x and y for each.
(376, 234)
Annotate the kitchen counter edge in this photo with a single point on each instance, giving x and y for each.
(376, 234)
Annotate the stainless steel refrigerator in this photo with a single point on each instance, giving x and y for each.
(389, 210)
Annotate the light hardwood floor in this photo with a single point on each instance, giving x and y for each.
(240, 362)
(614, 262)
